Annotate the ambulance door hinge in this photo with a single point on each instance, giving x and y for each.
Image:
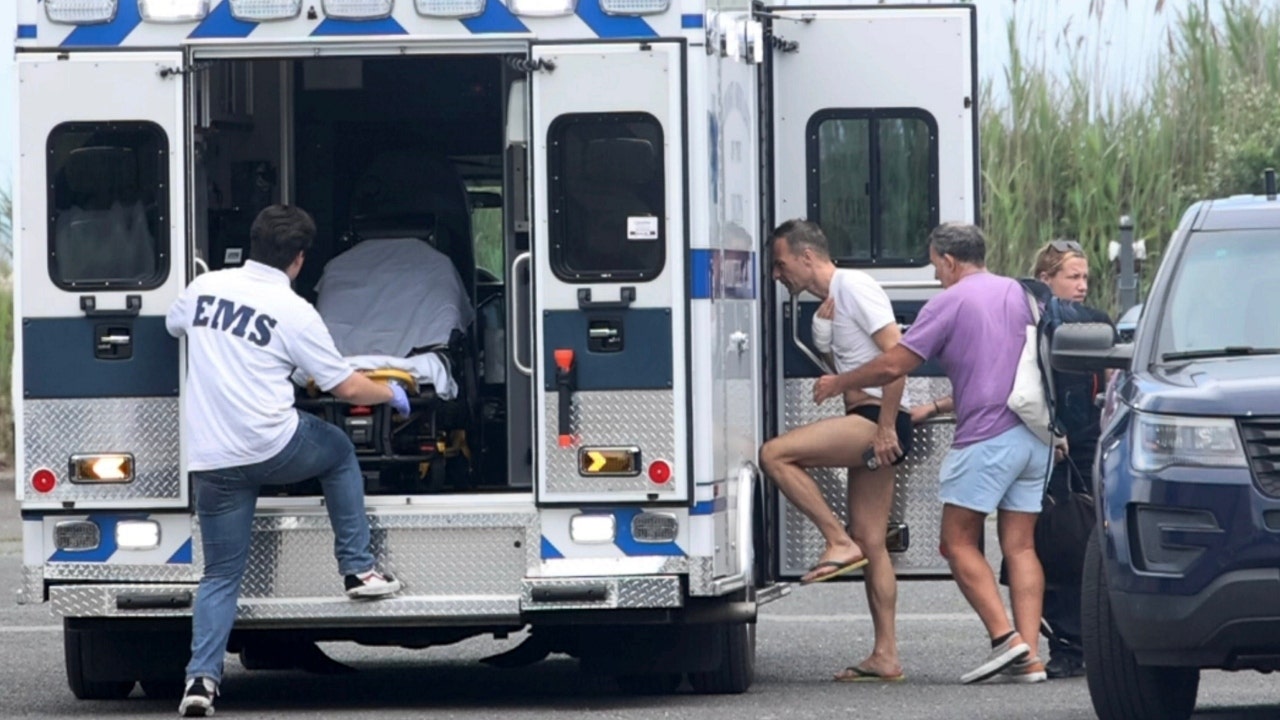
(192, 69)
(530, 65)
(782, 44)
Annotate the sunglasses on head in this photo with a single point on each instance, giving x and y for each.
(1066, 246)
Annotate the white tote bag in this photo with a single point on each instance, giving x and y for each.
(1028, 399)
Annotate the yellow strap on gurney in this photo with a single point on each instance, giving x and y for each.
(389, 374)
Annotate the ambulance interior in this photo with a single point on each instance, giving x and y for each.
(406, 166)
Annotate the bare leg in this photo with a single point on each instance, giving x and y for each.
(961, 532)
(870, 501)
(1026, 577)
(833, 442)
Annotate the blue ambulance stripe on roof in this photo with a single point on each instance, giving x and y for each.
(386, 26)
(220, 24)
(609, 26)
(496, 18)
(107, 34)
(26, 32)
(182, 555)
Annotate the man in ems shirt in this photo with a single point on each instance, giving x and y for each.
(246, 332)
(854, 325)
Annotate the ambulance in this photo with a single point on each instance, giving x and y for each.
(580, 469)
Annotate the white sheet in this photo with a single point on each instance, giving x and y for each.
(427, 369)
(387, 297)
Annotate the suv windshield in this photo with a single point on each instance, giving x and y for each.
(1222, 300)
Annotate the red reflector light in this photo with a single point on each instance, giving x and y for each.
(659, 471)
(361, 410)
(43, 480)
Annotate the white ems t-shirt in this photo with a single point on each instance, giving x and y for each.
(246, 332)
(862, 309)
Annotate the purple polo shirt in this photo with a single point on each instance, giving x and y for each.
(975, 329)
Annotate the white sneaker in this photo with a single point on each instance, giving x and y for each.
(1001, 657)
(370, 585)
(197, 698)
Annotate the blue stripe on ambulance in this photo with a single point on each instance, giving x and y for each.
(386, 26)
(690, 22)
(702, 273)
(181, 556)
(710, 507)
(549, 551)
(107, 34)
(107, 547)
(220, 24)
(26, 32)
(496, 18)
(623, 540)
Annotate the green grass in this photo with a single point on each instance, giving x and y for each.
(1059, 160)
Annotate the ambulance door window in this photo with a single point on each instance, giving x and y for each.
(873, 183)
(607, 193)
(108, 205)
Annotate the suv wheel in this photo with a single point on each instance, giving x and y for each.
(1120, 688)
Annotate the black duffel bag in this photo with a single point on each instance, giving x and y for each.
(1063, 530)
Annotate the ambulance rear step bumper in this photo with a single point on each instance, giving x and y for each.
(536, 597)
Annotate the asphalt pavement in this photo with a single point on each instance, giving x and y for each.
(802, 639)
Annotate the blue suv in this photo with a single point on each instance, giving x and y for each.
(1183, 570)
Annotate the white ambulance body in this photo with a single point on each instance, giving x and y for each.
(603, 174)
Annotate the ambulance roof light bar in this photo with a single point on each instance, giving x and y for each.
(544, 8)
(173, 11)
(634, 7)
(450, 8)
(80, 12)
(264, 10)
(357, 9)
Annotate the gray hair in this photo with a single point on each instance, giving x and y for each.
(800, 234)
(962, 241)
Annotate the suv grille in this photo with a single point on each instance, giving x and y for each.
(1262, 443)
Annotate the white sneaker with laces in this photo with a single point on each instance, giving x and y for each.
(370, 585)
(1001, 657)
(197, 698)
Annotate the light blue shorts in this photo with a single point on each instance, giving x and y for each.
(1006, 472)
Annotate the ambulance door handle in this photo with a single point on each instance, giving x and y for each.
(795, 337)
(132, 306)
(518, 318)
(738, 339)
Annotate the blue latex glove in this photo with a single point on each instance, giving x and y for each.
(399, 400)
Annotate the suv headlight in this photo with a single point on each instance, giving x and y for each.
(1160, 441)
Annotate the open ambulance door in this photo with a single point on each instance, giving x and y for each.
(874, 137)
(100, 254)
(610, 358)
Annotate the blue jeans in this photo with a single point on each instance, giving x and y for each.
(225, 503)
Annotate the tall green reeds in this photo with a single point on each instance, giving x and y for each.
(1062, 159)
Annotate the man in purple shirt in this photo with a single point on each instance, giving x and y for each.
(975, 328)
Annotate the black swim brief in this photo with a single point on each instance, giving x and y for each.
(902, 426)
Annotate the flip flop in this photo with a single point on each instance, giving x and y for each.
(858, 674)
(841, 568)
